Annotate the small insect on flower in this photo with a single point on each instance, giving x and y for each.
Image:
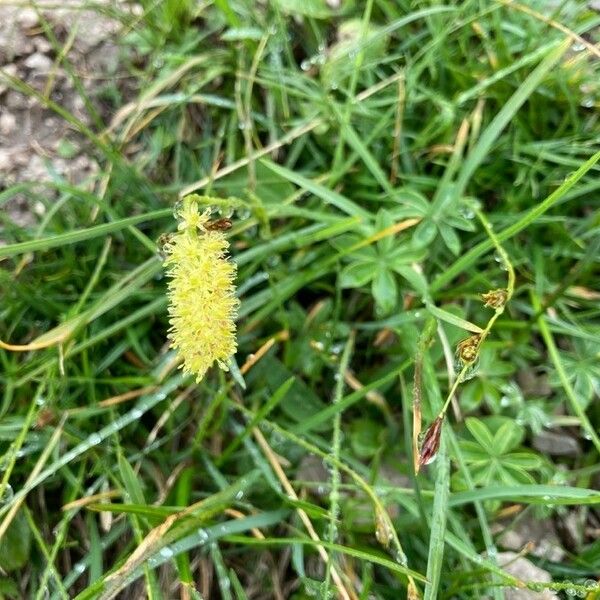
(219, 225)
(202, 301)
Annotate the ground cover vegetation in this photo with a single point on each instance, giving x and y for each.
(409, 194)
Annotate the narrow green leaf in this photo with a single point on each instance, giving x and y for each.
(448, 317)
(81, 235)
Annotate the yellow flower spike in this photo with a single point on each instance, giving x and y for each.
(202, 301)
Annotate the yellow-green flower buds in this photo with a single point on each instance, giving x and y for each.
(202, 301)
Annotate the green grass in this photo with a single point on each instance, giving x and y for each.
(354, 149)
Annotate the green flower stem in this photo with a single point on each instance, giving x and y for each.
(510, 288)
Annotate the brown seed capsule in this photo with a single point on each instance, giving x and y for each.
(495, 298)
(383, 533)
(468, 349)
(431, 442)
(412, 593)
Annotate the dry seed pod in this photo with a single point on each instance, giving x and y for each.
(431, 442)
(495, 298)
(412, 593)
(383, 533)
(468, 349)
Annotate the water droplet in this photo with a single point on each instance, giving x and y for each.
(224, 583)
(587, 102)
(400, 558)
(166, 552)
(177, 208)
(8, 494)
(239, 495)
(40, 401)
(467, 212)
(498, 258)
(571, 591)
(273, 260)
(243, 213)
(79, 568)
(417, 314)
(336, 348)
(137, 413)
(578, 47)
(305, 65)
(202, 535)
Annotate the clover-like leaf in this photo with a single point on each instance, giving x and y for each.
(385, 291)
(493, 455)
(356, 275)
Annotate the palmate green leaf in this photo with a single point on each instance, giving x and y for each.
(481, 434)
(473, 453)
(15, 544)
(582, 367)
(522, 460)
(411, 203)
(490, 457)
(514, 476)
(385, 291)
(450, 238)
(383, 221)
(425, 232)
(404, 254)
(356, 274)
(508, 436)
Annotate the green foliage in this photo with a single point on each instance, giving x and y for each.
(15, 545)
(379, 264)
(352, 145)
(494, 454)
